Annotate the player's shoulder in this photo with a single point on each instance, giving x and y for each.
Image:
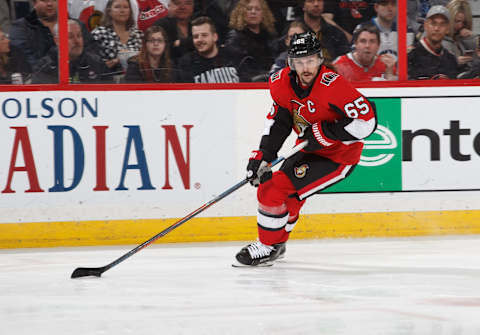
(330, 79)
(279, 79)
(279, 83)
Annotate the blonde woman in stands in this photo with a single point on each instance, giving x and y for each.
(117, 36)
(251, 37)
(461, 41)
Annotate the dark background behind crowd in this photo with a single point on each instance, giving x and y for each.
(230, 41)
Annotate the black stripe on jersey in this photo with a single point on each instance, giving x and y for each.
(279, 131)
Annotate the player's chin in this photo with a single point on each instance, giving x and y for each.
(306, 80)
(307, 76)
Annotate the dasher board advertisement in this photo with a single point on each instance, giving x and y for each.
(421, 144)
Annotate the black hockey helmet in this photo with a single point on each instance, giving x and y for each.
(303, 45)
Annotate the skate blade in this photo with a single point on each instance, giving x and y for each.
(237, 264)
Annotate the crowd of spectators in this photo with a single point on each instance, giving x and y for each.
(231, 41)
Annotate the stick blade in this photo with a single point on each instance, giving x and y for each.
(85, 272)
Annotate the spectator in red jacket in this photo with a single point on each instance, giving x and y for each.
(363, 64)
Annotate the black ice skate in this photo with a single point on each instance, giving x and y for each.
(259, 254)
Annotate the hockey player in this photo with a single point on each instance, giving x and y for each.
(322, 108)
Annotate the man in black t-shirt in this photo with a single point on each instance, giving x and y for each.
(207, 63)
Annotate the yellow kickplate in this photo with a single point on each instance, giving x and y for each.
(84, 233)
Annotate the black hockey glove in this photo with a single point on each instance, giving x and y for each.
(258, 169)
(315, 137)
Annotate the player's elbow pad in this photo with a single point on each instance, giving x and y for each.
(361, 129)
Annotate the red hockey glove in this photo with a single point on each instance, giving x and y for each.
(258, 169)
(315, 137)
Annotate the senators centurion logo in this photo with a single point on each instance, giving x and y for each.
(301, 170)
(299, 123)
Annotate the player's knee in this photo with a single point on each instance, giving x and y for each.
(269, 195)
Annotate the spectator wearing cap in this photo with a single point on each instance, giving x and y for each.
(429, 59)
(363, 64)
(385, 21)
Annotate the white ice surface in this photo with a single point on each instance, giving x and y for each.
(349, 286)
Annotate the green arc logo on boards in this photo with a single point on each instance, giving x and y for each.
(373, 151)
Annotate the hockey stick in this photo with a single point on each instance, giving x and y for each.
(84, 272)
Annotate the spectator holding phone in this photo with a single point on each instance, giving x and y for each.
(461, 41)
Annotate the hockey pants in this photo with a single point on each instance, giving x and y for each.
(280, 201)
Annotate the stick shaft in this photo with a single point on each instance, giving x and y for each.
(193, 214)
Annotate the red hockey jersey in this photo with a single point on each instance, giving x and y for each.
(353, 71)
(343, 115)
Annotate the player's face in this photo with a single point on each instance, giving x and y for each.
(204, 39)
(46, 9)
(313, 8)
(366, 47)
(386, 10)
(253, 13)
(436, 27)
(75, 40)
(156, 44)
(306, 68)
(120, 11)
